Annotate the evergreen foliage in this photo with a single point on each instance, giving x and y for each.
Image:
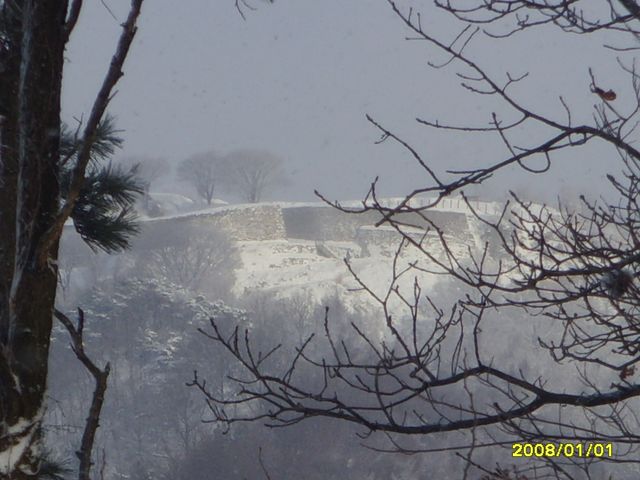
(104, 214)
(52, 468)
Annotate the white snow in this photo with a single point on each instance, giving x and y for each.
(174, 204)
(290, 267)
(22, 431)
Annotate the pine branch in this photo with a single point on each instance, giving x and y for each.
(103, 214)
(129, 28)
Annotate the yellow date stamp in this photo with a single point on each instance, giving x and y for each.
(581, 450)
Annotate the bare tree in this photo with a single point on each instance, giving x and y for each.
(149, 169)
(203, 172)
(187, 255)
(565, 278)
(253, 173)
(100, 377)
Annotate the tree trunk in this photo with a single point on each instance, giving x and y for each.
(31, 138)
(33, 34)
(9, 78)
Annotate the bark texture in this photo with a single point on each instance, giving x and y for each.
(33, 34)
(31, 76)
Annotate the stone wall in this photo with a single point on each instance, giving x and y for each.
(272, 221)
(388, 236)
(307, 222)
(240, 223)
(250, 222)
(324, 223)
(453, 223)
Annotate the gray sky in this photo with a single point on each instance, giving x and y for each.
(297, 78)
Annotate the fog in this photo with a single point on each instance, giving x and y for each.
(216, 90)
(297, 78)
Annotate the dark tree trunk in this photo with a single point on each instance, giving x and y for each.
(31, 196)
(33, 34)
(9, 77)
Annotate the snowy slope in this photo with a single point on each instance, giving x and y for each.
(290, 267)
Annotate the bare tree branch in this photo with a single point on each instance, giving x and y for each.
(100, 377)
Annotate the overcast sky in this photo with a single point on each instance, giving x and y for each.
(297, 78)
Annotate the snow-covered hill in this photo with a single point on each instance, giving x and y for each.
(289, 249)
(317, 269)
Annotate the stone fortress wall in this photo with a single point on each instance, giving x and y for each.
(321, 222)
(305, 222)
(247, 222)
(315, 221)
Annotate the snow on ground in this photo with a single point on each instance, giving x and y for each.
(286, 266)
(290, 267)
(172, 204)
(20, 435)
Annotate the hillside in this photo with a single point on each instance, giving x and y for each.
(288, 249)
(279, 265)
